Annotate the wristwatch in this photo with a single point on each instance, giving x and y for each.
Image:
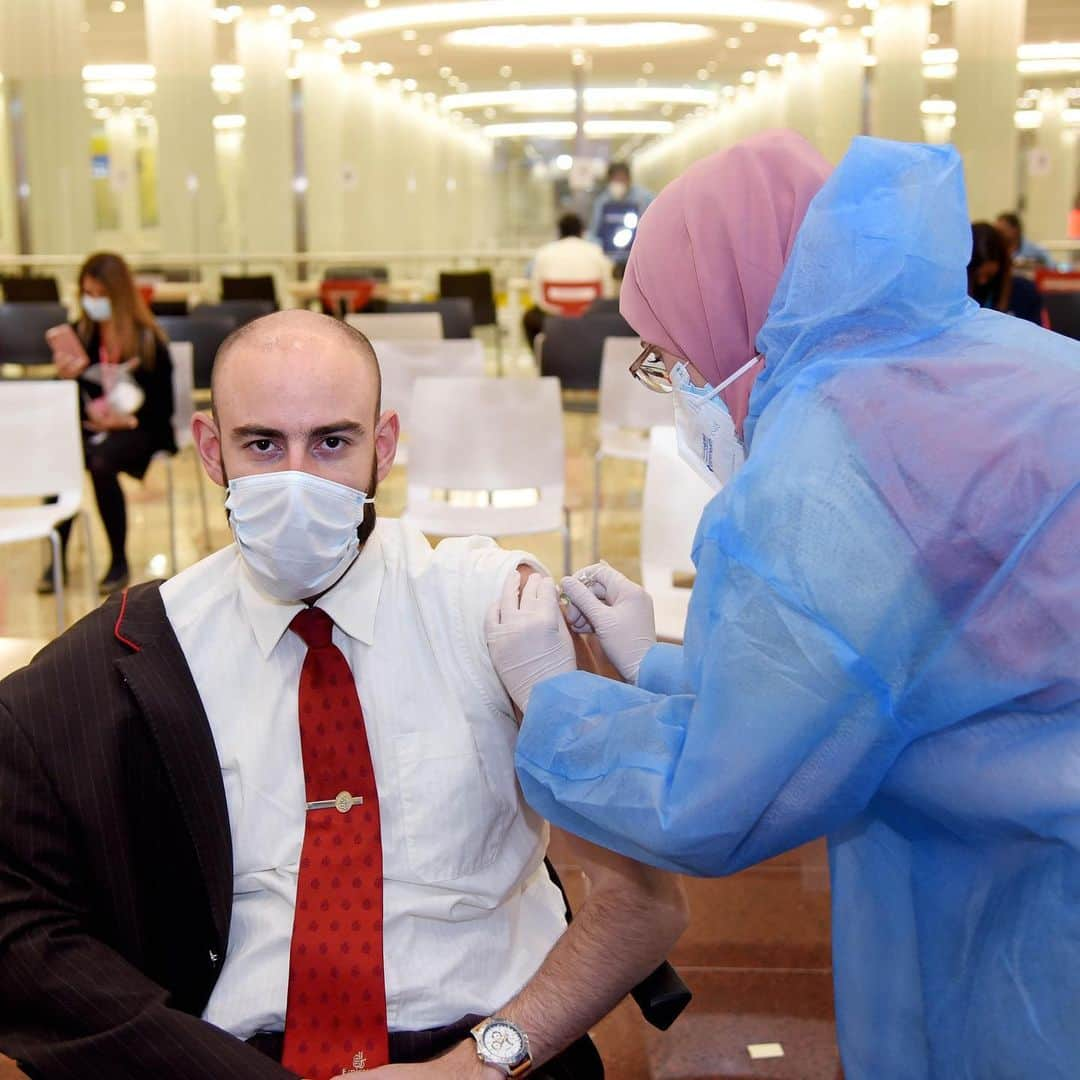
(501, 1043)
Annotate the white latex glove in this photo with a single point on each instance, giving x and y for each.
(528, 639)
(619, 612)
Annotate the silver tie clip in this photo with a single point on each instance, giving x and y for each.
(343, 802)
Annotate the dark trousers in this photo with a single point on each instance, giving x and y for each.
(119, 452)
(580, 1061)
(533, 324)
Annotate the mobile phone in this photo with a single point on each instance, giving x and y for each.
(64, 341)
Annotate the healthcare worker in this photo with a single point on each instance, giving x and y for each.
(883, 642)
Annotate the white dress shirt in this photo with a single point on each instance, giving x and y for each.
(469, 909)
(570, 259)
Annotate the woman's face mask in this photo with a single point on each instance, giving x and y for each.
(97, 308)
(704, 429)
(297, 533)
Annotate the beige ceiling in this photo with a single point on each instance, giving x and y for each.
(120, 38)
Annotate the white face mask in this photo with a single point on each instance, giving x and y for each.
(98, 308)
(618, 190)
(704, 430)
(296, 532)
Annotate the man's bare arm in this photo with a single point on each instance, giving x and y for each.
(632, 917)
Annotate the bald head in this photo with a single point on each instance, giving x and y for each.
(291, 336)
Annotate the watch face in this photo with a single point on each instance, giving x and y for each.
(503, 1042)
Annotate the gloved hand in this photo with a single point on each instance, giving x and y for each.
(528, 639)
(619, 612)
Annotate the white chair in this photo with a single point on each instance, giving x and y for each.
(497, 442)
(627, 411)
(398, 325)
(403, 362)
(41, 447)
(674, 498)
(182, 354)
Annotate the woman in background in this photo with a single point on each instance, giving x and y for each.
(121, 340)
(991, 281)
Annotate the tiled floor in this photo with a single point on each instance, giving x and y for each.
(757, 952)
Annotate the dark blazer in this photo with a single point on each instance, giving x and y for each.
(115, 859)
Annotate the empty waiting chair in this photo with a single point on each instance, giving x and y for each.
(242, 311)
(572, 349)
(30, 290)
(43, 415)
(249, 287)
(205, 334)
(423, 325)
(456, 312)
(22, 332)
(486, 456)
(674, 499)
(628, 412)
(404, 361)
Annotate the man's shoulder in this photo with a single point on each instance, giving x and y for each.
(86, 652)
(198, 588)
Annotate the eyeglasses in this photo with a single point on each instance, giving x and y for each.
(651, 371)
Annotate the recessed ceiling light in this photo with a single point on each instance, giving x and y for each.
(733, 42)
(408, 35)
(505, 71)
(564, 36)
(445, 72)
(372, 3)
(933, 39)
(409, 85)
(425, 49)
(702, 74)
(643, 82)
(748, 27)
(118, 7)
(648, 68)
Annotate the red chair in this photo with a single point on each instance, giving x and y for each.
(146, 292)
(346, 296)
(1060, 291)
(571, 298)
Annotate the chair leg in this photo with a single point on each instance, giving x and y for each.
(596, 507)
(201, 488)
(58, 578)
(90, 565)
(172, 515)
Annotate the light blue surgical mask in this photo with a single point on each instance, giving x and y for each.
(98, 308)
(704, 429)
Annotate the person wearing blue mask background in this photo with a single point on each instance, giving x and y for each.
(882, 639)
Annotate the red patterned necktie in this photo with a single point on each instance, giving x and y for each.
(335, 1019)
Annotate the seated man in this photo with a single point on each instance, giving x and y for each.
(567, 261)
(262, 820)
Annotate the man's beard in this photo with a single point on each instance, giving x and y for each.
(363, 530)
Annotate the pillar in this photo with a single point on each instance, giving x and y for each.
(323, 98)
(1051, 172)
(41, 51)
(843, 81)
(901, 28)
(180, 36)
(802, 96)
(987, 34)
(262, 47)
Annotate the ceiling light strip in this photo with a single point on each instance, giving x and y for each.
(485, 12)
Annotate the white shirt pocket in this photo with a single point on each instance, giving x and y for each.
(452, 819)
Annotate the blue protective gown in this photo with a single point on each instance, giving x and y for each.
(883, 646)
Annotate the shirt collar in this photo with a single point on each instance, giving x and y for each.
(351, 603)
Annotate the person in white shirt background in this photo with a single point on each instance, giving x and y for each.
(472, 921)
(568, 260)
